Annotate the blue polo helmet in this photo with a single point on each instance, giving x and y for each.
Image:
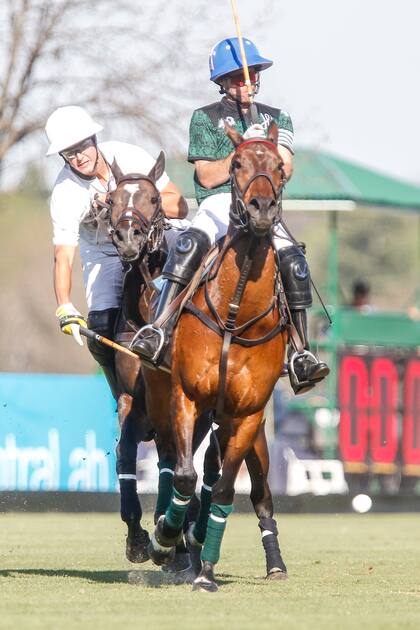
(225, 57)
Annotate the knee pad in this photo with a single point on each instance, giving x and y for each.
(296, 278)
(102, 322)
(186, 256)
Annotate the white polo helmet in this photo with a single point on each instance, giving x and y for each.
(67, 126)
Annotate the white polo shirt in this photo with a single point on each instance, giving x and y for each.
(70, 206)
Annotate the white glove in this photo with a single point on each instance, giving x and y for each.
(70, 321)
(254, 131)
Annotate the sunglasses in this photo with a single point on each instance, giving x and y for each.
(71, 153)
(238, 80)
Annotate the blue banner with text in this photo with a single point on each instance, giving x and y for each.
(57, 432)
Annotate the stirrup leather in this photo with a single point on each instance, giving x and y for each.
(158, 331)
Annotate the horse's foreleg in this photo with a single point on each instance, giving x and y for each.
(196, 533)
(130, 508)
(244, 433)
(169, 528)
(257, 462)
(211, 475)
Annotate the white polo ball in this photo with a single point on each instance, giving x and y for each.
(361, 503)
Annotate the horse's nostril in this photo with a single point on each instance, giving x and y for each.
(118, 235)
(136, 232)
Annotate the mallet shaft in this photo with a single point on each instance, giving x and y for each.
(253, 108)
(91, 334)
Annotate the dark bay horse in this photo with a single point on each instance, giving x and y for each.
(134, 218)
(135, 222)
(228, 353)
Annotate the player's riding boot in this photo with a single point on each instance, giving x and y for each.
(103, 323)
(183, 260)
(305, 369)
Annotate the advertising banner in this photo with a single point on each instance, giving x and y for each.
(57, 432)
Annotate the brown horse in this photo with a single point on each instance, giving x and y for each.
(134, 218)
(228, 351)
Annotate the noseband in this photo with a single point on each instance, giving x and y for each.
(238, 212)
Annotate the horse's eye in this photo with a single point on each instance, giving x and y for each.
(236, 164)
(154, 199)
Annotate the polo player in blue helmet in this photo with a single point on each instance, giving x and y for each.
(211, 151)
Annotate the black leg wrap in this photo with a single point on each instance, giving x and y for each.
(126, 465)
(271, 547)
(268, 524)
(130, 505)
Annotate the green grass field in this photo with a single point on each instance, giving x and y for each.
(346, 571)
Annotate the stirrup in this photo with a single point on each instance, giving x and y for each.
(298, 355)
(159, 332)
(300, 387)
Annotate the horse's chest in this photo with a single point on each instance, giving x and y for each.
(251, 374)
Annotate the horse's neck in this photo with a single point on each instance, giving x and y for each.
(259, 289)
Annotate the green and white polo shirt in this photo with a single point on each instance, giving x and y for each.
(208, 140)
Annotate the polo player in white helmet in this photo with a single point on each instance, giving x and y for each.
(211, 151)
(86, 172)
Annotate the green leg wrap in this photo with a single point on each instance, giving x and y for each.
(166, 483)
(215, 530)
(200, 527)
(175, 514)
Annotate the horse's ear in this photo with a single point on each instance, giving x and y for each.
(233, 135)
(116, 171)
(273, 133)
(159, 167)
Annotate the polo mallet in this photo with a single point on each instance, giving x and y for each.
(91, 334)
(252, 108)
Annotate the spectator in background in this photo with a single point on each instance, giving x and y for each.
(361, 297)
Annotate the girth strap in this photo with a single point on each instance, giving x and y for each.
(241, 341)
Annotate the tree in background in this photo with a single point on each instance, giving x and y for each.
(141, 62)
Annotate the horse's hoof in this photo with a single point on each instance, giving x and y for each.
(277, 574)
(136, 547)
(160, 555)
(176, 573)
(204, 585)
(180, 563)
(161, 549)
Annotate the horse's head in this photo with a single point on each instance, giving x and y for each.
(136, 216)
(258, 178)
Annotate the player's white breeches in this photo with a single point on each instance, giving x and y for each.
(103, 273)
(213, 218)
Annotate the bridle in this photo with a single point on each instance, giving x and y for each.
(151, 229)
(238, 212)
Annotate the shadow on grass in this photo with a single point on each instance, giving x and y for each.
(151, 579)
